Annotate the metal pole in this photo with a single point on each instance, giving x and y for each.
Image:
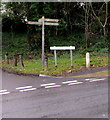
(43, 56)
(55, 55)
(71, 57)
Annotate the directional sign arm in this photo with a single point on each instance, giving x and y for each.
(51, 20)
(40, 23)
(34, 23)
(54, 24)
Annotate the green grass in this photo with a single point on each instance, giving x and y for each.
(35, 66)
(17, 43)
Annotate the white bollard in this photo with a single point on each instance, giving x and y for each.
(87, 60)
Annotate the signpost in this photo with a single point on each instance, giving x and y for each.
(63, 48)
(43, 21)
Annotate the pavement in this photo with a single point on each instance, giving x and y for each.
(54, 97)
(88, 71)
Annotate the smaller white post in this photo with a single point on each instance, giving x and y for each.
(71, 57)
(55, 55)
(87, 60)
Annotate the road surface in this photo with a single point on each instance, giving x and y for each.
(50, 97)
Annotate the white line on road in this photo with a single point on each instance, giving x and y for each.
(47, 84)
(75, 83)
(90, 79)
(69, 81)
(97, 80)
(87, 79)
(4, 93)
(52, 86)
(25, 87)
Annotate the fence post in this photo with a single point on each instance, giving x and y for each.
(6, 58)
(87, 60)
(15, 60)
(46, 63)
(21, 60)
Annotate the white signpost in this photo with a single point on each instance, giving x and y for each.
(63, 48)
(44, 21)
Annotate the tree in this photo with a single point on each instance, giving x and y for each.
(101, 19)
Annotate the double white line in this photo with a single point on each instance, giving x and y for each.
(95, 79)
(25, 88)
(73, 82)
(4, 92)
(50, 85)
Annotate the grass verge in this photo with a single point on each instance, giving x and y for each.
(34, 66)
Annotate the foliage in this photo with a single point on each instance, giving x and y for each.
(71, 31)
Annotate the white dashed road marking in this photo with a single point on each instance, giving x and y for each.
(94, 79)
(97, 80)
(75, 83)
(52, 86)
(24, 90)
(25, 87)
(4, 92)
(47, 84)
(87, 79)
(66, 82)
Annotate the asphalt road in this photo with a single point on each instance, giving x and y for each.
(49, 97)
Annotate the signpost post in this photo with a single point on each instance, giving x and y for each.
(43, 21)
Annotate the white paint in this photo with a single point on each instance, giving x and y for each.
(69, 81)
(25, 87)
(97, 80)
(63, 48)
(52, 86)
(40, 75)
(4, 93)
(75, 83)
(47, 84)
(87, 79)
(87, 60)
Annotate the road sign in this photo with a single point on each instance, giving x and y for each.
(63, 48)
(42, 21)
